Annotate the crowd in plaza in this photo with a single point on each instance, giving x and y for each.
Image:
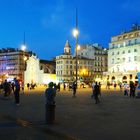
(132, 89)
(11, 87)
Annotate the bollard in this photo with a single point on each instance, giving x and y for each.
(50, 113)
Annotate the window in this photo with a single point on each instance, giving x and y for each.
(124, 44)
(135, 58)
(118, 69)
(118, 53)
(112, 53)
(135, 50)
(129, 42)
(123, 52)
(112, 61)
(113, 45)
(129, 51)
(123, 59)
(118, 60)
(129, 59)
(135, 41)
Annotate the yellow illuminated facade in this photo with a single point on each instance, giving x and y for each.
(92, 61)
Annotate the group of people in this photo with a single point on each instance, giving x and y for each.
(130, 89)
(11, 87)
(31, 86)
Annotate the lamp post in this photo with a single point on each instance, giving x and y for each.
(75, 34)
(23, 48)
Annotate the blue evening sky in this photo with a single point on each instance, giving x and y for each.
(49, 23)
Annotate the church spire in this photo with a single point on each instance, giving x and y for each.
(67, 48)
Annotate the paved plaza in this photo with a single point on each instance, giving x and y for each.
(117, 117)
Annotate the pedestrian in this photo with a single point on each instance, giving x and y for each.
(132, 89)
(126, 88)
(16, 91)
(28, 85)
(58, 86)
(64, 86)
(96, 93)
(120, 85)
(108, 85)
(115, 85)
(22, 87)
(5, 88)
(100, 89)
(50, 94)
(9, 89)
(13, 86)
(74, 86)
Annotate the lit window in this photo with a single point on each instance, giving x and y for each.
(124, 44)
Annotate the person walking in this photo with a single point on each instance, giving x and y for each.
(64, 86)
(132, 89)
(126, 89)
(16, 91)
(74, 86)
(50, 94)
(5, 88)
(96, 93)
(115, 85)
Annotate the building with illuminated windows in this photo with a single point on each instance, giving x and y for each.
(98, 54)
(12, 63)
(92, 61)
(26, 67)
(124, 56)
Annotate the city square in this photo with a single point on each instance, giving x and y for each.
(69, 70)
(79, 118)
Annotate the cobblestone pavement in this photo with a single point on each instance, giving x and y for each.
(116, 118)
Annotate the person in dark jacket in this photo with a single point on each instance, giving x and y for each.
(132, 89)
(74, 86)
(96, 93)
(16, 91)
(50, 94)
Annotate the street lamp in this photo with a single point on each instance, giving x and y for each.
(23, 48)
(75, 34)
